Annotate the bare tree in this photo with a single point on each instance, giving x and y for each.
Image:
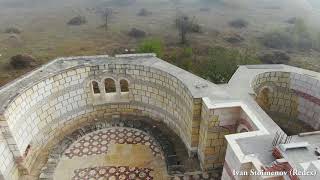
(106, 15)
(184, 25)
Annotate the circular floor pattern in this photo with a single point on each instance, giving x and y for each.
(97, 142)
(113, 173)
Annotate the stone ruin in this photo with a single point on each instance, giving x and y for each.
(86, 117)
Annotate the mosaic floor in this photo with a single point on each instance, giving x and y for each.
(113, 172)
(98, 142)
(114, 153)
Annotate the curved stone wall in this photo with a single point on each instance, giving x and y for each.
(7, 165)
(289, 96)
(42, 111)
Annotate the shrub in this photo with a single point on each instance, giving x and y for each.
(275, 57)
(187, 52)
(216, 64)
(196, 28)
(234, 39)
(239, 23)
(78, 20)
(222, 63)
(292, 20)
(137, 33)
(297, 36)
(296, 21)
(151, 46)
(278, 40)
(13, 30)
(182, 57)
(144, 12)
(22, 61)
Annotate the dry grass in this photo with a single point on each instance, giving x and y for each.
(45, 34)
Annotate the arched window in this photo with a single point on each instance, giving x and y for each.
(109, 85)
(95, 87)
(263, 98)
(124, 85)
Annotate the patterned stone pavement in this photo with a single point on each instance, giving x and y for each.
(112, 154)
(113, 173)
(98, 142)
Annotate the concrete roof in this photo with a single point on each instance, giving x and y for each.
(260, 146)
(303, 155)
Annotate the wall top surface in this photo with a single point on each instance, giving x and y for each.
(197, 86)
(240, 83)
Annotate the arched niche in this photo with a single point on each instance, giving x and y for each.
(110, 85)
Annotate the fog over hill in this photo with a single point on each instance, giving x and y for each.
(255, 26)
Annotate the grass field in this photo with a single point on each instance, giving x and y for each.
(45, 34)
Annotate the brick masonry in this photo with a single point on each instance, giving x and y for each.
(292, 94)
(215, 124)
(37, 114)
